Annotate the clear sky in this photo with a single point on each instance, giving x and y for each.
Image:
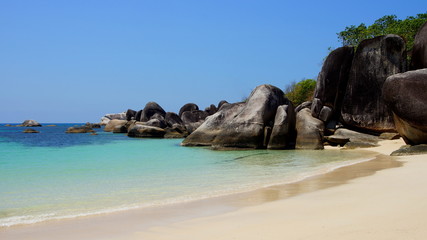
(74, 61)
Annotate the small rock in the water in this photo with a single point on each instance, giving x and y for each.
(81, 129)
(410, 150)
(30, 130)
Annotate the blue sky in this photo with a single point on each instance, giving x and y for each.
(74, 61)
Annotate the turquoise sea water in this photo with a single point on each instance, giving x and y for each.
(53, 175)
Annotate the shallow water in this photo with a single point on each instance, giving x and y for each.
(53, 175)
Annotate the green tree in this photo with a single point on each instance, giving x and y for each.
(389, 24)
(299, 92)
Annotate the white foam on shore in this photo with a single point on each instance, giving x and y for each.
(323, 169)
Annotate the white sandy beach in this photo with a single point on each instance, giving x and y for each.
(385, 204)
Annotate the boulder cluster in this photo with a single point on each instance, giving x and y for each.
(154, 122)
(362, 95)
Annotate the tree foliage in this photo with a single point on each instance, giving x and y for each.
(389, 24)
(299, 92)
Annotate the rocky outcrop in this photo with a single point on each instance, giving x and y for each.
(332, 81)
(108, 117)
(406, 96)
(112, 124)
(310, 131)
(30, 130)
(80, 129)
(143, 131)
(240, 125)
(375, 59)
(189, 107)
(419, 50)
(30, 123)
(283, 133)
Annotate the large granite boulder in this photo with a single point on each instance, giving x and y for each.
(143, 131)
(310, 131)
(406, 95)
(419, 50)
(30, 123)
(130, 114)
(240, 125)
(283, 133)
(151, 109)
(332, 80)
(189, 107)
(113, 124)
(375, 59)
(108, 117)
(193, 119)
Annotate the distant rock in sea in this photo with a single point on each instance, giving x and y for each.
(80, 129)
(30, 123)
(30, 130)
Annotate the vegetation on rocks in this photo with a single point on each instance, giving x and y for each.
(389, 24)
(299, 92)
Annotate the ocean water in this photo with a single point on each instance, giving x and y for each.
(54, 175)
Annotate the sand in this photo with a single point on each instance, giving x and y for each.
(380, 199)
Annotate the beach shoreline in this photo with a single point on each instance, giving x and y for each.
(161, 222)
